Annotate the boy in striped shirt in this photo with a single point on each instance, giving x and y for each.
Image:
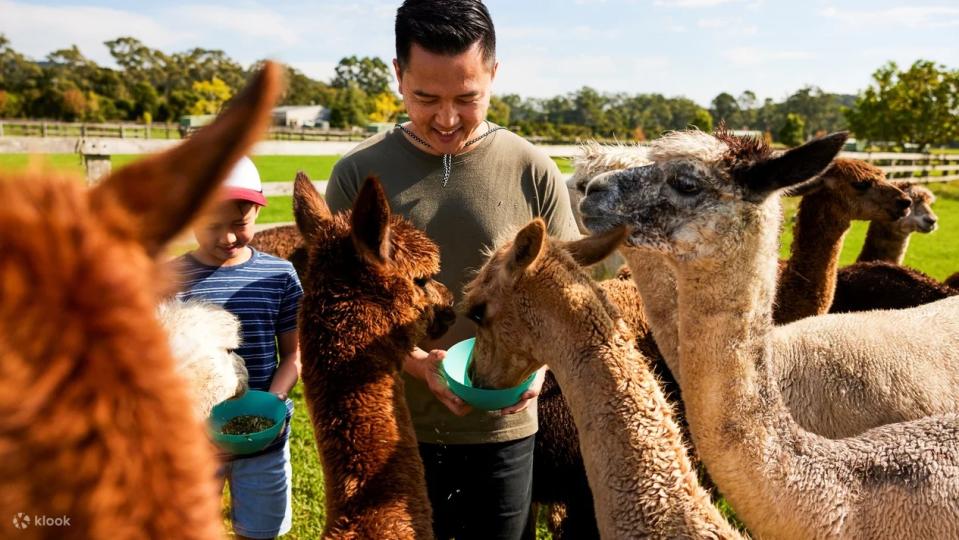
(264, 292)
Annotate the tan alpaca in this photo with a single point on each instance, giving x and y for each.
(888, 241)
(533, 302)
(710, 207)
(834, 372)
(849, 189)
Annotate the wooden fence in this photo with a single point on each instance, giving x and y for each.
(130, 130)
(917, 168)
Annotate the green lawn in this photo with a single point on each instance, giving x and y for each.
(936, 254)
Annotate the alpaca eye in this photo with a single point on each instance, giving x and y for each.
(685, 186)
(421, 282)
(861, 185)
(477, 313)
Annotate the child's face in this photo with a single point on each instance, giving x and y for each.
(224, 232)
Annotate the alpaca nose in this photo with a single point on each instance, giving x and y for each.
(930, 221)
(600, 183)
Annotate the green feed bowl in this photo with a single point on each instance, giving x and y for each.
(456, 371)
(253, 402)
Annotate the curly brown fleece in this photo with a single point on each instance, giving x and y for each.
(369, 298)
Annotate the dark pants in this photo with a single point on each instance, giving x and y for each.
(480, 491)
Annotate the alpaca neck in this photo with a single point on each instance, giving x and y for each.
(656, 282)
(741, 428)
(808, 284)
(884, 242)
(371, 460)
(633, 450)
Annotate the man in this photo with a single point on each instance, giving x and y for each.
(466, 182)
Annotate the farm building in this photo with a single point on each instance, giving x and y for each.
(302, 116)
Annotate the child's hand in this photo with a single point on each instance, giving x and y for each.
(281, 395)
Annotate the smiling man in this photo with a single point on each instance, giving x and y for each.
(466, 182)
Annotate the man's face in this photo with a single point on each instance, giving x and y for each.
(223, 232)
(446, 96)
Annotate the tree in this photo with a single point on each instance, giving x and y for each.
(386, 107)
(917, 106)
(793, 131)
(369, 74)
(349, 108)
(498, 112)
(211, 95)
(725, 109)
(703, 120)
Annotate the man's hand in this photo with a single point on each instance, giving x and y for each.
(426, 367)
(528, 395)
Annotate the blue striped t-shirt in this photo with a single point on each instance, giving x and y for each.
(263, 292)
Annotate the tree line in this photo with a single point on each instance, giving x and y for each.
(901, 107)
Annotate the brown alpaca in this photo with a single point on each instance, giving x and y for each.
(888, 240)
(95, 425)
(532, 301)
(710, 207)
(369, 298)
(285, 242)
(865, 286)
(849, 189)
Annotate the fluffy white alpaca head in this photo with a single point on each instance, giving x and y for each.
(202, 339)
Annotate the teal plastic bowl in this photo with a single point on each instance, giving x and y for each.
(456, 371)
(253, 402)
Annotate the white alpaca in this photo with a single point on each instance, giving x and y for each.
(837, 378)
(710, 207)
(202, 338)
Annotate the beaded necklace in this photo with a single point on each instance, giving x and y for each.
(448, 158)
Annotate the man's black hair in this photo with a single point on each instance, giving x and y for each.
(444, 27)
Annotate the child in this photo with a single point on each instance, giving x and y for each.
(264, 292)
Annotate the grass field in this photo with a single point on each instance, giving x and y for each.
(936, 254)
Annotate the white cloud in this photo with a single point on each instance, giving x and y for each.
(255, 23)
(910, 16)
(38, 30)
(754, 56)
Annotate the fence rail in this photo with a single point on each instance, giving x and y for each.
(131, 130)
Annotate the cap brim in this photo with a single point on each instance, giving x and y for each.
(244, 194)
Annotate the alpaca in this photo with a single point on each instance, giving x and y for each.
(95, 424)
(888, 241)
(835, 385)
(284, 242)
(369, 298)
(849, 189)
(202, 339)
(865, 286)
(559, 475)
(710, 207)
(533, 303)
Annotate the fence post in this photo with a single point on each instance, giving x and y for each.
(1, 129)
(43, 128)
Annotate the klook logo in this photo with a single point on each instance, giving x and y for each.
(21, 520)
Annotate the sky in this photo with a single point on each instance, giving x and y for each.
(692, 48)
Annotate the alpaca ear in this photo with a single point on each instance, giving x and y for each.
(593, 249)
(793, 166)
(527, 246)
(371, 223)
(162, 194)
(309, 208)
